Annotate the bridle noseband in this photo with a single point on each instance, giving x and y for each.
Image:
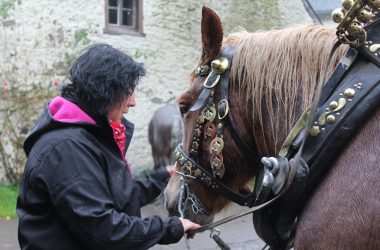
(210, 124)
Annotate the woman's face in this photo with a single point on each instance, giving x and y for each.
(122, 108)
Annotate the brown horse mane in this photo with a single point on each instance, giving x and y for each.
(281, 65)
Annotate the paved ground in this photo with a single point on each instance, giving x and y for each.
(238, 234)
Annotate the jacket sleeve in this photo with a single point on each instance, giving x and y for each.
(81, 197)
(152, 186)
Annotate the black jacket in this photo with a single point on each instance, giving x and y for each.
(78, 193)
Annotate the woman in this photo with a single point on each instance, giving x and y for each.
(77, 191)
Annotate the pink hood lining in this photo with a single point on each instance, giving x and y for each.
(63, 110)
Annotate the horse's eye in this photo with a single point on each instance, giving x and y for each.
(184, 108)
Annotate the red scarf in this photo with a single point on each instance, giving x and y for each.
(119, 135)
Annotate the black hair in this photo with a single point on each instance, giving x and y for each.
(103, 76)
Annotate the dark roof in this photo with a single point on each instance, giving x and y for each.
(320, 9)
(324, 6)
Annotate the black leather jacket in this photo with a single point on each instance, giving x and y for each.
(78, 193)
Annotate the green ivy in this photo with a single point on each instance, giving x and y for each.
(81, 36)
(139, 54)
(6, 6)
(69, 58)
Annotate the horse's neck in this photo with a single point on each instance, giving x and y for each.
(274, 129)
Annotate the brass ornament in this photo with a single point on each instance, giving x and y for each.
(197, 132)
(203, 69)
(364, 16)
(354, 29)
(187, 167)
(349, 93)
(337, 15)
(374, 4)
(226, 109)
(216, 162)
(341, 103)
(197, 173)
(213, 84)
(315, 130)
(322, 119)
(347, 4)
(209, 113)
(333, 105)
(330, 119)
(219, 65)
(374, 47)
(195, 145)
(216, 145)
(201, 118)
(210, 130)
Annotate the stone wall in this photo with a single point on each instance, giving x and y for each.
(39, 39)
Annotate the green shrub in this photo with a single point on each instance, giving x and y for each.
(8, 198)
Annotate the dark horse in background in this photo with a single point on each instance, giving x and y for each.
(164, 134)
(272, 81)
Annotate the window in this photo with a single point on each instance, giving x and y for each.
(124, 17)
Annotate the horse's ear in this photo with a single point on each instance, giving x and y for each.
(212, 34)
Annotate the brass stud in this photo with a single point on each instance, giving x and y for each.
(347, 4)
(219, 65)
(333, 105)
(314, 131)
(374, 4)
(364, 16)
(337, 15)
(354, 29)
(330, 119)
(349, 92)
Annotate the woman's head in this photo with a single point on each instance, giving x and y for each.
(103, 77)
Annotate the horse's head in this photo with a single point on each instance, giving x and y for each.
(234, 170)
(270, 82)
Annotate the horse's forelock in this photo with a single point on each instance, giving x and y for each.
(275, 66)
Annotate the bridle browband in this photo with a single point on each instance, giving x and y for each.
(210, 125)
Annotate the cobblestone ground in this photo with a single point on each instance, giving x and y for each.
(238, 234)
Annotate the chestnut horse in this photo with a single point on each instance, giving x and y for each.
(272, 81)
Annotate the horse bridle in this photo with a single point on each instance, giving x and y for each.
(205, 130)
(210, 124)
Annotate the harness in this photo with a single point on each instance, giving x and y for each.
(348, 98)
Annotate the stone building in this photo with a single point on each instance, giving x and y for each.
(39, 39)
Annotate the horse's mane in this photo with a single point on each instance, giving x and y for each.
(279, 70)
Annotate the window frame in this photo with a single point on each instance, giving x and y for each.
(118, 29)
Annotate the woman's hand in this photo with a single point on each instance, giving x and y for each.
(171, 169)
(189, 225)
